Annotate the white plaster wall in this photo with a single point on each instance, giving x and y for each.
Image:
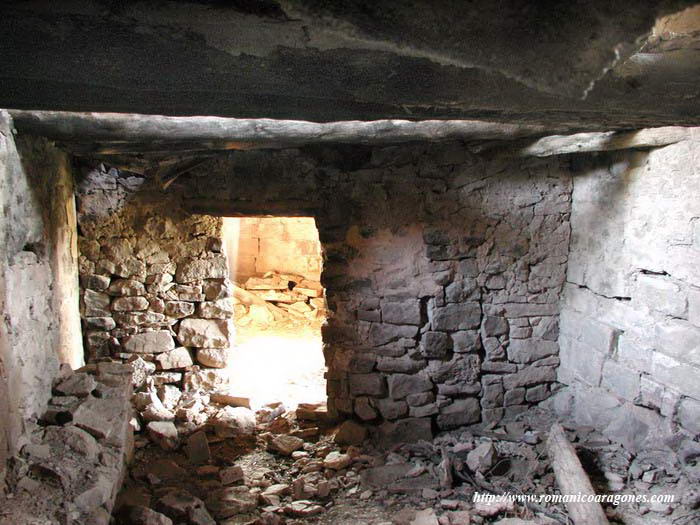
(630, 322)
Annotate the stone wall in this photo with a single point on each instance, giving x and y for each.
(273, 244)
(442, 271)
(154, 280)
(630, 323)
(38, 280)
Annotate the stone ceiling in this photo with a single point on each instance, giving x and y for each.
(572, 65)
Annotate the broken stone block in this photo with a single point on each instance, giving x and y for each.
(140, 515)
(76, 439)
(213, 357)
(91, 421)
(177, 358)
(230, 501)
(337, 461)
(215, 289)
(229, 399)
(233, 421)
(205, 333)
(126, 287)
(219, 309)
(169, 395)
(689, 415)
(482, 458)
(302, 509)
(96, 495)
(182, 507)
(100, 323)
(149, 342)
(206, 379)
(425, 517)
(197, 448)
(141, 370)
(96, 304)
(231, 475)
(178, 309)
(350, 433)
(130, 304)
(95, 282)
(78, 384)
(164, 434)
(191, 269)
(285, 445)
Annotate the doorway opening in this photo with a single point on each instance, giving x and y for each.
(275, 264)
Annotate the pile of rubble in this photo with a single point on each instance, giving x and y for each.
(275, 297)
(73, 461)
(216, 461)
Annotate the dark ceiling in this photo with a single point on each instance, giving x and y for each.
(572, 64)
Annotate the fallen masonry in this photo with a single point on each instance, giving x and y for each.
(225, 464)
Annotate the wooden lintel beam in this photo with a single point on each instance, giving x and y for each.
(245, 133)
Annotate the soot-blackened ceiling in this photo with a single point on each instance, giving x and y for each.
(556, 63)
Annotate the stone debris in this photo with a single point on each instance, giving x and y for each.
(273, 476)
(280, 297)
(73, 464)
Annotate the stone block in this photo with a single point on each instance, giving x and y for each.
(164, 434)
(595, 407)
(530, 309)
(390, 409)
(130, 304)
(532, 375)
(658, 292)
(401, 385)
(177, 358)
(126, 287)
(404, 364)
(529, 350)
(205, 333)
(620, 380)
(96, 304)
(192, 269)
(401, 312)
(679, 339)
(493, 326)
(435, 345)
(689, 415)
(634, 354)
(694, 307)
(218, 309)
(381, 333)
(95, 282)
(458, 413)
(453, 317)
(213, 357)
(579, 361)
(367, 384)
(466, 341)
(179, 309)
(149, 342)
(515, 396)
(682, 376)
(653, 394)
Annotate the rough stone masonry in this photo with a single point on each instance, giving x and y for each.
(443, 272)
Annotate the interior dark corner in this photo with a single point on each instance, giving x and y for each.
(288, 262)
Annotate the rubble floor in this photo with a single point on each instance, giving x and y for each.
(426, 483)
